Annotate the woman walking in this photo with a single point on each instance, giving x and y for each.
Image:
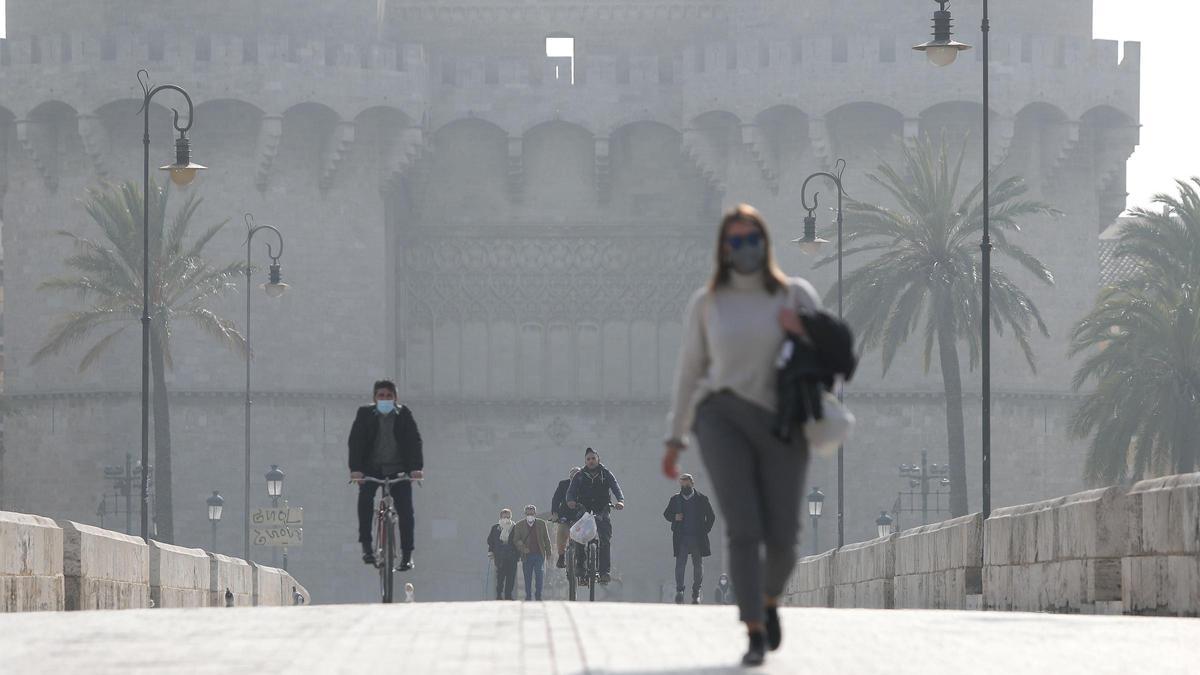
(503, 553)
(734, 328)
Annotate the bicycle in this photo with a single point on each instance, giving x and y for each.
(386, 519)
(590, 561)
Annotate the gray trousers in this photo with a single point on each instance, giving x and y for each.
(759, 481)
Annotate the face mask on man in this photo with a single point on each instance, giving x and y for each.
(687, 491)
(748, 258)
(385, 406)
(529, 519)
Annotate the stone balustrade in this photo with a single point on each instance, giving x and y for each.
(31, 563)
(47, 565)
(1106, 551)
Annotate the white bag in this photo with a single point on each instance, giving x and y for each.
(826, 434)
(584, 530)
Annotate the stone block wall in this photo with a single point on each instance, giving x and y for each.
(939, 566)
(1161, 568)
(233, 575)
(864, 574)
(812, 582)
(268, 586)
(104, 569)
(179, 577)
(1058, 555)
(31, 563)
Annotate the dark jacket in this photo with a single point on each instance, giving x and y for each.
(501, 551)
(590, 490)
(811, 366)
(558, 505)
(366, 430)
(675, 506)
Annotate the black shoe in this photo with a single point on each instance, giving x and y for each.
(562, 562)
(774, 630)
(406, 562)
(695, 599)
(679, 597)
(757, 652)
(368, 554)
(605, 578)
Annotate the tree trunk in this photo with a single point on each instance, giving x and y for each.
(163, 516)
(956, 439)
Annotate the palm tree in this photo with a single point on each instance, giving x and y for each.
(108, 273)
(1142, 340)
(927, 274)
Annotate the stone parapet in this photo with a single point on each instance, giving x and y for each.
(31, 563)
(1160, 572)
(179, 577)
(863, 576)
(292, 591)
(939, 566)
(812, 582)
(104, 569)
(268, 586)
(1058, 555)
(233, 575)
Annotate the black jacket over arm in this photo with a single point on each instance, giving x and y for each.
(366, 430)
(558, 504)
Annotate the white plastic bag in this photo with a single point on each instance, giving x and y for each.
(826, 434)
(584, 530)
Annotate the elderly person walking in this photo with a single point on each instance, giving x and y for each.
(503, 555)
(734, 328)
(532, 539)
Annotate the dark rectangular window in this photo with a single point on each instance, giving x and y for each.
(700, 54)
(491, 73)
(156, 48)
(1060, 52)
(35, 50)
(204, 48)
(731, 56)
(666, 69)
(1026, 49)
(797, 51)
(108, 48)
(5, 57)
(331, 57)
(449, 71)
(841, 50)
(250, 50)
(764, 55)
(66, 48)
(535, 72)
(401, 64)
(622, 69)
(887, 49)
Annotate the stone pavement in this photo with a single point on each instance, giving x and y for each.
(601, 638)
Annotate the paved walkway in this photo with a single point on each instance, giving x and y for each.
(601, 638)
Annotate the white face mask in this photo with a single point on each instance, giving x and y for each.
(529, 519)
(506, 522)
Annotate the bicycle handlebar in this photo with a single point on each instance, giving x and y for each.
(400, 478)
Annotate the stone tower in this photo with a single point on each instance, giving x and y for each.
(512, 236)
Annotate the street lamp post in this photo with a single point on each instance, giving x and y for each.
(810, 243)
(942, 51)
(883, 524)
(816, 500)
(182, 172)
(274, 287)
(216, 504)
(275, 490)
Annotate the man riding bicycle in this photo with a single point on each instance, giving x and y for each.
(589, 491)
(384, 441)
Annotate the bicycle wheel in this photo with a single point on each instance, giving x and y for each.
(592, 573)
(571, 579)
(386, 581)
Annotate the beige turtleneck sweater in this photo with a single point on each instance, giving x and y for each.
(731, 338)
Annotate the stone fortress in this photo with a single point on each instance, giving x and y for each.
(512, 237)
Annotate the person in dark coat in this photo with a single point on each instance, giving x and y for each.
(723, 595)
(589, 491)
(503, 555)
(384, 441)
(692, 518)
(564, 515)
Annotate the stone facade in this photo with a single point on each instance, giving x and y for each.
(514, 247)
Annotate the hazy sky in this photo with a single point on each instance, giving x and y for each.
(1170, 145)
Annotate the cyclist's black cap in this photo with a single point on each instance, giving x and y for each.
(590, 451)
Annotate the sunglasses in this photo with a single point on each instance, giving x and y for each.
(736, 241)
